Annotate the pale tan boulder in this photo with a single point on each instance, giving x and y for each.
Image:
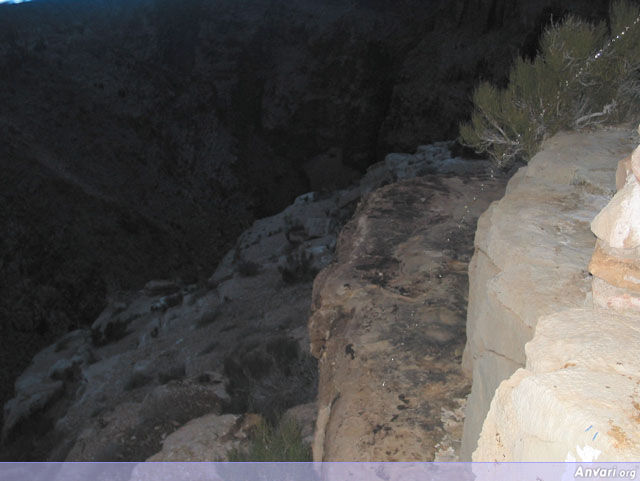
(607, 296)
(578, 393)
(586, 338)
(635, 163)
(618, 224)
(622, 172)
(208, 438)
(616, 268)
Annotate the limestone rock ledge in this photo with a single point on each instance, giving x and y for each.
(388, 320)
(574, 391)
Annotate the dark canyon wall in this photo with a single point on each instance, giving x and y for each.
(138, 138)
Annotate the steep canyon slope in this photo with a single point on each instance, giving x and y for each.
(138, 139)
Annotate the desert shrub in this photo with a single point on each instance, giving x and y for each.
(298, 268)
(582, 77)
(282, 442)
(270, 377)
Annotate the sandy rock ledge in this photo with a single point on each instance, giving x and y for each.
(555, 373)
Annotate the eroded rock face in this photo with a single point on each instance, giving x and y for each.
(571, 392)
(531, 257)
(388, 321)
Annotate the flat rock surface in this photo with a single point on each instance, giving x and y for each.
(388, 322)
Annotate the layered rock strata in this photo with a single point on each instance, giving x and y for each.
(571, 391)
(387, 322)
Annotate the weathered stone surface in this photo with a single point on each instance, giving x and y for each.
(434, 157)
(618, 270)
(532, 252)
(622, 172)
(635, 163)
(489, 370)
(618, 224)
(387, 321)
(616, 298)
(208, 438)
(579, 389)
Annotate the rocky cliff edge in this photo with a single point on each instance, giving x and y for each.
(562, 354)
(387, 323)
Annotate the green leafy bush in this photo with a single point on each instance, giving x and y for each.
(583, 76)
(280, 443)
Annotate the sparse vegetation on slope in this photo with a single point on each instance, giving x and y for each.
(584, 75)
(282, 442)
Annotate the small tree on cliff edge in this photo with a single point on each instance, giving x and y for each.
(584, 75)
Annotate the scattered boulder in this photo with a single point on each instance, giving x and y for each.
(34, 396)
(44, 381)
(616, 260)
(207, 439)
(112, 324)
(618, 224)
(133, 431)
(180, 401)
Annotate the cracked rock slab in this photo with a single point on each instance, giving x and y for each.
(579, 389)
